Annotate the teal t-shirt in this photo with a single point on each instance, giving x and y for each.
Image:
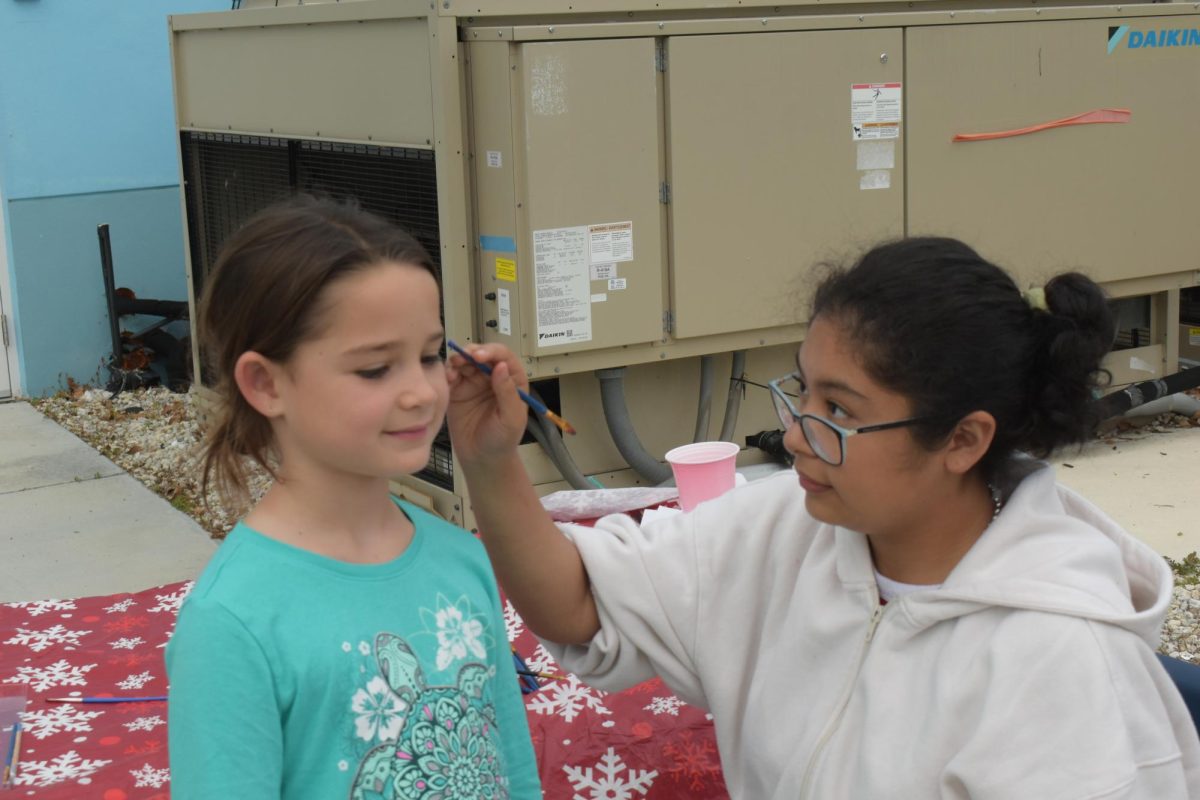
(294, 675)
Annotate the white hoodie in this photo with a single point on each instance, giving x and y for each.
(1029, 674)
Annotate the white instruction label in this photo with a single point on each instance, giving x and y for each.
(612, 241)
(504, 315)
(616, 284)
(563, 290)
(494, 159)
(603, 272)
(875, 111)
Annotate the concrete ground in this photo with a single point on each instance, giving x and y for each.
(74, 524)
(1145, 480)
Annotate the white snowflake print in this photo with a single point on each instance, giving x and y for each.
(567, 698)
(171, 602)
(459, 632)
(60, 673)
(542, 661)
(513, 624)
(127, 644)
(379, 711)
(55, 719)
(149, 776)
(120, 606)
(136, 681)
(37, 641)
(364, 648)
(610, 784)
(144, 723)
(664, 705)
(38, 607)
(66, 767)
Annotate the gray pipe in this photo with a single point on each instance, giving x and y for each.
(705, 403)
(734, 402)
(620, 427)
(1180, 403)
(551, 441)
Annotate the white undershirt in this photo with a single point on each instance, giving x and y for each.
(890, 589)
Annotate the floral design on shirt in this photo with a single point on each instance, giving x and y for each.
(460, 632)
(445, 740)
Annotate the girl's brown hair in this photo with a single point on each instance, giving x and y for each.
(263, 295)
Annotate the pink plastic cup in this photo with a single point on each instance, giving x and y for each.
(703, 470)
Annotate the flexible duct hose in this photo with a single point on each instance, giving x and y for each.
(1118, 403)
(704, 407)
(734, 401)
(620, 427)
(552, 445)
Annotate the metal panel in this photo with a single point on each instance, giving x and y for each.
(1110, 199)
(587, 153)
(356, 81)
(492, 158)
(765, 172)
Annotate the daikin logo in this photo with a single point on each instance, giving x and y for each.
(1140, 40)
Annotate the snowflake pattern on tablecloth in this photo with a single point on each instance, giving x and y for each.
(171, 602)
(147, 775)
(567, 699)
(37, 641)
(144, 723)
(610, 784)
(65, 767)
(60, 673)
(542, 661)
(664, 705)
(513, 624)
(38, 607)
(136, 681)
(126, 643)
(694, 761)
(56, 719)
(121, 606)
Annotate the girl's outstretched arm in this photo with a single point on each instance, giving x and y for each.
(539, 568)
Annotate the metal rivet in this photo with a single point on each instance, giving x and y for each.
(860, 19)
(951, 14)
(883, 58)
(500, 33)
(556, 369)
(764, 22)
(550, 29)
(661, 26)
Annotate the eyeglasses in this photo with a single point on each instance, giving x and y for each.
(827, 439)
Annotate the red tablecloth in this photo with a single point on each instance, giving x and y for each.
(640, 743)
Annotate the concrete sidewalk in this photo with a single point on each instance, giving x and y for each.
(74, 524)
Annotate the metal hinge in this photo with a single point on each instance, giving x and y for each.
(668, 321)
(664, 193)
(4, 328)
(660, 57)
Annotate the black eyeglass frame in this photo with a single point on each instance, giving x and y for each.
(788, 416)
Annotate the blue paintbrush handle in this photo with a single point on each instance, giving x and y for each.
(486, 369)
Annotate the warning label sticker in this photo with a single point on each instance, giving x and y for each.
(875, 111)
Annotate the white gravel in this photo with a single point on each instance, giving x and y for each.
(153, 435)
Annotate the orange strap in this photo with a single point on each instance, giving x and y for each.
(1098, 115)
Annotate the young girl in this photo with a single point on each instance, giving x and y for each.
(917, 610)
(341, 643)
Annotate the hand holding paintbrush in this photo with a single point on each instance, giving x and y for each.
(537, 405)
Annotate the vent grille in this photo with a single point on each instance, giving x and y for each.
(230, 177)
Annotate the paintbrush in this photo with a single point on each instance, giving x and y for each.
(105, 699)
(537, 405)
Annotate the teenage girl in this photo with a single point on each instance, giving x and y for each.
(917, 609)
(341, 643)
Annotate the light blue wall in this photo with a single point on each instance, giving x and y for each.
(64, 322)
(87, 135)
